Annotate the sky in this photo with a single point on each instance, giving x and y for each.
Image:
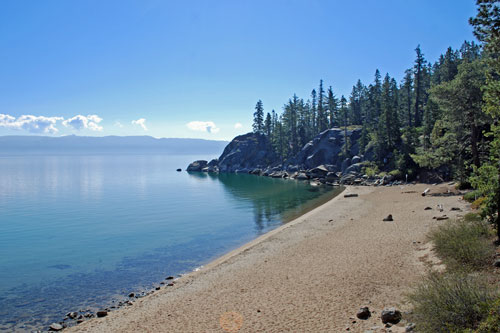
(195, 69)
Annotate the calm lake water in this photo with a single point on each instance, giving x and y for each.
(81, 232)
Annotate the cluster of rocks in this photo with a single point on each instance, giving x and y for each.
(320, 160)
(78, 317)
(388, 316)
(322, 174)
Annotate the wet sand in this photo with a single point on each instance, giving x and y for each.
(310, 275)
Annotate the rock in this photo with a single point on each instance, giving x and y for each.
(256, 171)
(455, 208)
(249, 151)
(364, 313)
(169, 278)
(170, 285)
(350, 195)
(354, 168)
(131, 295)
(179, 170)
(213, 163)
(326, 149)
(497, 263)
(55, 327)
(101, 313)
(197, 166)
(72, 315)
(348, 179)
(302, 176)
(391, 316)
(345, 164)
(388, 218)
(410, 327)
(427, 208)
(157, 288)
(318, 172)
(440, 218)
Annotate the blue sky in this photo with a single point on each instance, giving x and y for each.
(197, 68)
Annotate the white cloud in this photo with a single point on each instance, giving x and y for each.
(118, 124)
(203, 126)
(238, 125)
(80, 122)
(141, 122)
(33, 124)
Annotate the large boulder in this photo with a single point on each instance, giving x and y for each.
(247, 152)
(197, 165)
(326, 149)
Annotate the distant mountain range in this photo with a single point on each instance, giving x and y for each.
(108, 144)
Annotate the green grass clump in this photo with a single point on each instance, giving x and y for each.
(450, 302)
(471, 196)
(464, 244)
(492, 323)
(396, 174)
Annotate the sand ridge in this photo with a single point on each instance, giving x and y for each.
(310, 275)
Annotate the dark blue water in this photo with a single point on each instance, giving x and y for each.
(81, 232)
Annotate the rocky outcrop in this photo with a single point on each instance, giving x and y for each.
(246, 153)
(320, 161)
(197, 165)
(326, 149)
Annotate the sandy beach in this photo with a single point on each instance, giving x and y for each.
(310, 275)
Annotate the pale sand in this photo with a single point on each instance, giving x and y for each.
(310, 275)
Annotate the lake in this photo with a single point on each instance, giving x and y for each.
(82, 231)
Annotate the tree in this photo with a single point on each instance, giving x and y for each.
(268, 125)
(344, 114)
(258, 118)
(418, 72)
(322, 117)
(332, 107)
(407, 96)
(487, 30)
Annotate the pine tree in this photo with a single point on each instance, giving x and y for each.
(268, 125)
(344, 111)
(418, 72)
(332, 107)
(407, 97)
(487, 30)
(258, 118)
(322, 117)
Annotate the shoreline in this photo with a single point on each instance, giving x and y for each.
(227, 275)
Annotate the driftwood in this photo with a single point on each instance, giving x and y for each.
(425, 192)
(350, 195)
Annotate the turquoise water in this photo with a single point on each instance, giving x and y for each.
(79, 232)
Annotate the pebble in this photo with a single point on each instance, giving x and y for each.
(56, 327)
(102, 313)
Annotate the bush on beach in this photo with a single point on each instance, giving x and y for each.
(450, 302)
(464, 244)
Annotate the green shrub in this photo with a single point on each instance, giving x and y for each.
(396, 174)
(472, 217)
(463, 244)
(471, 196)
(450, 302)
(370, 169)
(492, 323)
(479, 203)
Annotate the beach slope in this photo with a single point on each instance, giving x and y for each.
(310, 275)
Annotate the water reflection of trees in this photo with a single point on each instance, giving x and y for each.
(272, 200)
